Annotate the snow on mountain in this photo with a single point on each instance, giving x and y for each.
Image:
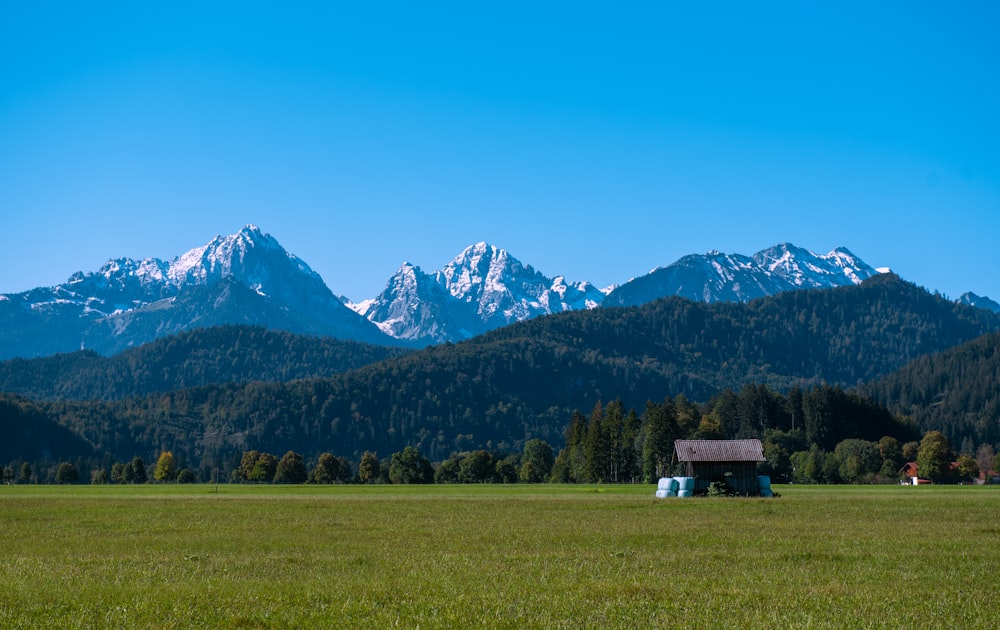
(482, 288)
(416, 307)
(718, 277)
(248, 277)
(128, 302)
(805, 270)
(504, 290)
(251, 256)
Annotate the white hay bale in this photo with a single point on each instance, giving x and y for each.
(684, 494)
(685, 483)
(661, 494)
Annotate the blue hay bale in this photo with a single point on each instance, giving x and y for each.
(683, 494)
(763, 482)
(685, 483)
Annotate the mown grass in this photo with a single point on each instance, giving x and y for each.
(493, 556)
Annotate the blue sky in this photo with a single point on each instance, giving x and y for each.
(590, 141)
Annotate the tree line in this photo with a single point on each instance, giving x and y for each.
(819, 435)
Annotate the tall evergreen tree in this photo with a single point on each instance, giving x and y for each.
(660, 432)
(597, 450)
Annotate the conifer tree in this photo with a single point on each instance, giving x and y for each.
(660, 430)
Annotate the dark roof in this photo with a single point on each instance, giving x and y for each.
(719, 450)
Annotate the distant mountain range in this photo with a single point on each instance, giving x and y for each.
(249, 278)
(511, 384)
(245, 278)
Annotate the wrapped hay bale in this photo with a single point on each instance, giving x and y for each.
(661, 494)
(667, 483)
(685, 483)
(684, 494)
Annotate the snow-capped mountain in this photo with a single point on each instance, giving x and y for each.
(718, 277)
(805, 270)
(249, 278)
(246, 277)
(504, 290)
(483, 288)
(416, 307)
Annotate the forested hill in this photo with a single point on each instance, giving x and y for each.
(30, 432)
(224, 354)
(956, 392)
(840, 336)
(524, 382)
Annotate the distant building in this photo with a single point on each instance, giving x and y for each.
(908, 475)
(732, 461)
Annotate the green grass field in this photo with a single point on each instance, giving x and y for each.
(493, 556)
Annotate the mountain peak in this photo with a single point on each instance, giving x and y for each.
(979, 301)
(250, 255)
(805, 269)
(246, 277)
(480, 289)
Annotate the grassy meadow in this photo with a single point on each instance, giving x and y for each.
(548, 556)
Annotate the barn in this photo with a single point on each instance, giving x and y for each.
(732, 461)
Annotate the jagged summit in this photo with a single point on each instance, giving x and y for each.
(246, 277)
(251, 256)
(804, 269)
(482, 288)
(720, 277)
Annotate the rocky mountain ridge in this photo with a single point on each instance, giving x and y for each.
(249, 278)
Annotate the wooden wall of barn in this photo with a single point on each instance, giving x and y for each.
(743, 480)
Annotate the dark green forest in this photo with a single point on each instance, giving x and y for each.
(956, 392)
(523, 382)
(224, 354)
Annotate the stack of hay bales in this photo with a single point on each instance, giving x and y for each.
(666, 487)
(683, 487)
(675, 487)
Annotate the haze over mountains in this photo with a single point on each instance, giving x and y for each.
(249, 278)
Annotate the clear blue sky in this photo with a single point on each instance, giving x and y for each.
(589, 140)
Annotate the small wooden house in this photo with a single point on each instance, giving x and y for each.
(732, 461)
